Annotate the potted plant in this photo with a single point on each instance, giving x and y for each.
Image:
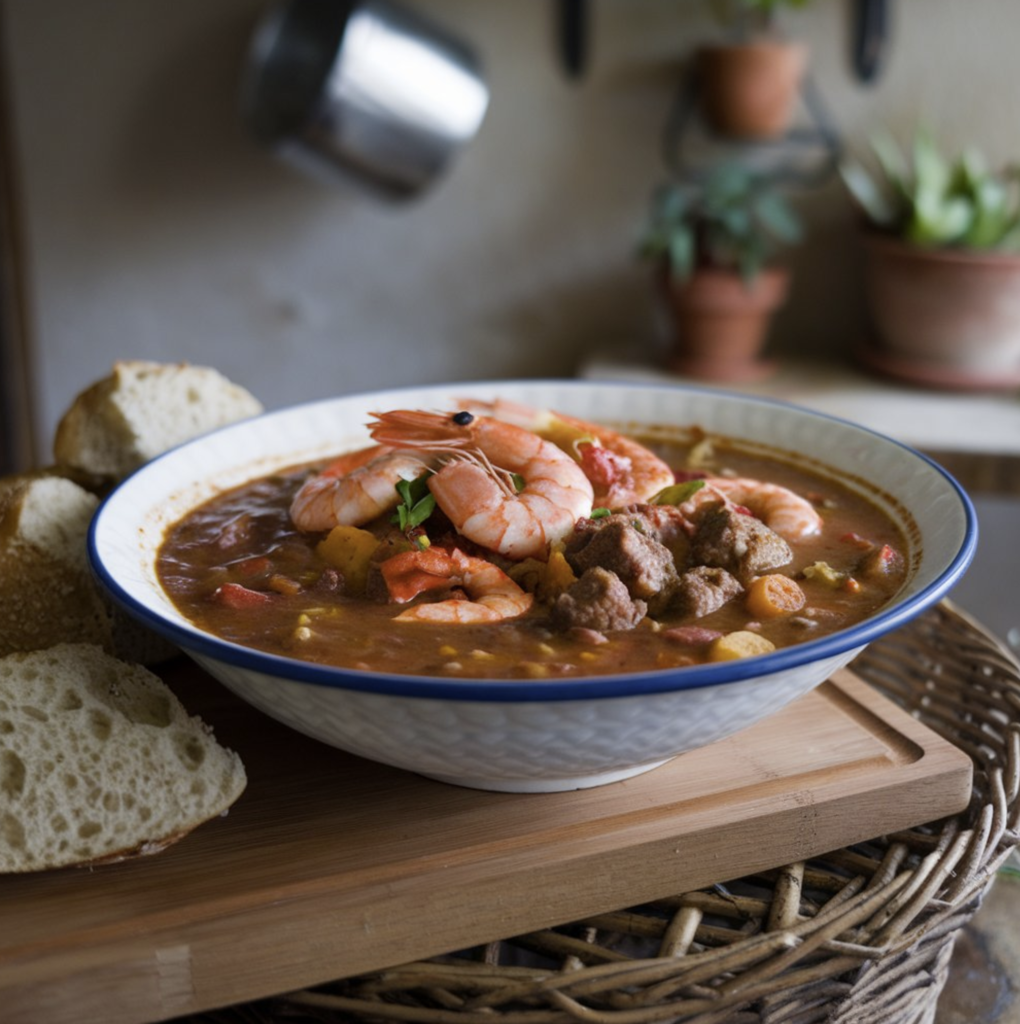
(749, 84)
(942, 271)
(713, 243)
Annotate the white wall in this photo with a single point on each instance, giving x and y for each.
(157, 229)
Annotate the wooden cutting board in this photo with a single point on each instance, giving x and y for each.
(330, 865)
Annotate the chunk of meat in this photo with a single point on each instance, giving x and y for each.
(598, 601)
(738, 543)
(705, 589)
(664, 523)
(644, 565)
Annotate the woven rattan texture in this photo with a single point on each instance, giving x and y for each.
(862, 935)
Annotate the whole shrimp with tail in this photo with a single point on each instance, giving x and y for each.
(500, 485)
(491, 594)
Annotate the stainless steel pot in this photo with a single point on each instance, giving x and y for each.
(362, 90)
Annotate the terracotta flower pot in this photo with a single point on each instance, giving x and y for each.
(750, 91)
(945, 317)
(722, 323)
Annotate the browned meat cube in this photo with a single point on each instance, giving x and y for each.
(739, 543)
(645, 566)
(599, 601)
(664, 523)
(705, 589)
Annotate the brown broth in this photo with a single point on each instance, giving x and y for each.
(245, 537)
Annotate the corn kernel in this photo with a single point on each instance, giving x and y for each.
(447, 651)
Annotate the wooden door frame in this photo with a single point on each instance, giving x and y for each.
(17, 434)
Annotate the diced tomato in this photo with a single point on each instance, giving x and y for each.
(234, 595)
(601, 466)
(880, 561)
(888, 556)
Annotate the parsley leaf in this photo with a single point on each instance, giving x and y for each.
(417, 503)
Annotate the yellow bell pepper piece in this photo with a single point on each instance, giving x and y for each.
(349, 550)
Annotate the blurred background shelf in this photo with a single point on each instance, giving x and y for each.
(987, 425)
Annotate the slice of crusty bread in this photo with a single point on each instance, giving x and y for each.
(47, 592)
(141, 410)
(99, 761)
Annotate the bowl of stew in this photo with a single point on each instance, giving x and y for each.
(531, 586)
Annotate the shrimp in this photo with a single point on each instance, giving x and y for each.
(622, 471)
(491, 594)
(500, 485)
(355, 489)
(782, 510)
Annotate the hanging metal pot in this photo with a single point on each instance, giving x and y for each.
(363, 90)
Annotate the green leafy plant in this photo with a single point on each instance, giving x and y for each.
(923, 197)
(732, 220)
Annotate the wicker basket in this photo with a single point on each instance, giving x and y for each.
(862, 935)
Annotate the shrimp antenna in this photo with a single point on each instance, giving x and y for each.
(476, 457)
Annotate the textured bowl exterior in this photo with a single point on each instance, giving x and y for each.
(543, 735)
(523, 747)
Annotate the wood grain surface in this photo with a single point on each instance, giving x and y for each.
(330, 865)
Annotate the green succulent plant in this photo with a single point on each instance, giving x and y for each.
(921, 196)
(731, 220)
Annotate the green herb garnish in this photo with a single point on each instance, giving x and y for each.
(677, 494)
(417, 503)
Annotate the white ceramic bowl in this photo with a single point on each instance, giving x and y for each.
(543, 735)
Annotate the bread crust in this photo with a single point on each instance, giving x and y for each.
(142, 409)
(48, 593)
(99, 762)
